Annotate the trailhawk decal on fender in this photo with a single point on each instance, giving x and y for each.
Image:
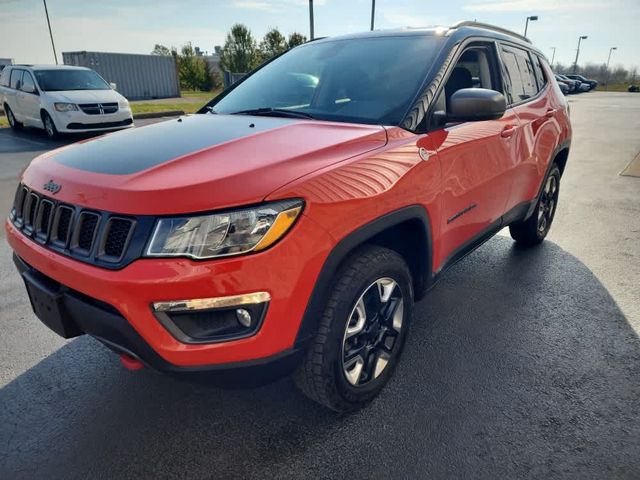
(132, 151)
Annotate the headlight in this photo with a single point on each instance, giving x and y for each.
(223, 234)
(65, 107)
(123, 103)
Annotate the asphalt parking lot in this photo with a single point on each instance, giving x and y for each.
(520, 364)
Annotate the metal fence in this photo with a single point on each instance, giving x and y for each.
(137, 77)
(230, 78)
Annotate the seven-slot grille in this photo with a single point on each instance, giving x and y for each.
(87, 235)
(99, 108)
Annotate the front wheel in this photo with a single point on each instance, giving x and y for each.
(361, 333)
(49, 126)
(534, 230)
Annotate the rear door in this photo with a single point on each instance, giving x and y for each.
(530, 96)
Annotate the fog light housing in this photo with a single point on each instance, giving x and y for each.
(244, 317)
(213, 320)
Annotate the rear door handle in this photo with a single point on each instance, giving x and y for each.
(550, 112)
(508, 131)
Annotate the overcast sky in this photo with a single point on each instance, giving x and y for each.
(135, 26)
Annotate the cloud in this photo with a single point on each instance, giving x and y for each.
(531, 5)
(265, 6)
(399, 18)
(252, 5)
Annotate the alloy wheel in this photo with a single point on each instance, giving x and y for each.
(12, 120)
(547, 205)
(372, 331)
(48, 125)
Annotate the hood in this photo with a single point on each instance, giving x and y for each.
(197, 163)
(84, 96)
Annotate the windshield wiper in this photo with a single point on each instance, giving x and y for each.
(274, 112)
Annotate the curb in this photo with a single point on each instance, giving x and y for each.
(168, 113)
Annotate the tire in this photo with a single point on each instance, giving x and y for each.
(377, 280)
(13, 123)
(534, 230)
(49, 127)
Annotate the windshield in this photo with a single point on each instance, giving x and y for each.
(366, 80)
(58, 80)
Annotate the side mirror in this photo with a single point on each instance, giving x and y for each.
(113, 85)
(476, 104)
(29, 89)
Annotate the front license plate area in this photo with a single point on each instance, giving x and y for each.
(47, 302)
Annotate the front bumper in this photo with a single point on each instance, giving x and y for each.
(287, 271)
(78, 121)
(88, 316)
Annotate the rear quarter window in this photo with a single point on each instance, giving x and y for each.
(4, 77)
(539, 72)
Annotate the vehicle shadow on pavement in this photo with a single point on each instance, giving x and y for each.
(35, 140)
(519, 364)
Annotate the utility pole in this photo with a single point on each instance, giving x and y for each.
(55, 55)
(533, 18)
(575, 64)
(373, 13)
(606, 82)
(311, 18)
(553, 57)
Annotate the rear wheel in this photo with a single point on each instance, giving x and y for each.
(49, 126)
(534, 230)
(361, 333)
(13, 123)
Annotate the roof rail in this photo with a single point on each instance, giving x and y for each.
(488, 26)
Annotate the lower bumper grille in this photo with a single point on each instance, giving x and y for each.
(91, 126)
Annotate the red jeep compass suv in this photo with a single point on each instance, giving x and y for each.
(291, 225)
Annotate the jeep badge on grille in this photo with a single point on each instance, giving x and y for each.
(52, 187)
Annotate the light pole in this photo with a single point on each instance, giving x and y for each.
(533, 18)
(46, 12)
(311, 18)
(373, 13)
(606, 82)
(575, 64)
(553, 57)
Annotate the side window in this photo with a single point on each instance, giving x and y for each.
(526, 71)
(539, 71)
(16, 78)
(476, 68)
(4, 77)
(27, 83)
(522, 82)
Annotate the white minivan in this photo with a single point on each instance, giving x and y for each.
(61, 99)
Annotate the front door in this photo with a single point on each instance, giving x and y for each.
(28, 100)
(475, 158)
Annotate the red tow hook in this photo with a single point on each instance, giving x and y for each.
(130, 363)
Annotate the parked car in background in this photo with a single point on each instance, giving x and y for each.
(592, 83)
(565, 86)
(573, 84)
(292, 223)
(61, 99)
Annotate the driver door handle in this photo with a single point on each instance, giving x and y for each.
(508, 131)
